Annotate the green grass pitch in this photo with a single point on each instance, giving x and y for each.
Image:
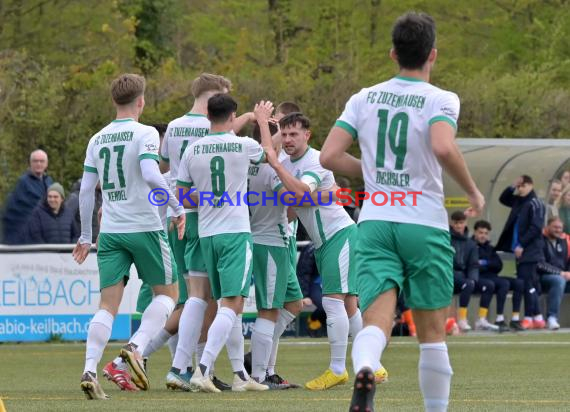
(525, 372)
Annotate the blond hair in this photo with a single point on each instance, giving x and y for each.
(207, 82)
(560, 201)
(126, 88)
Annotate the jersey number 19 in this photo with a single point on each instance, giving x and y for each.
(397, 136)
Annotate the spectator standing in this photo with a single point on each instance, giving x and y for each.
(51, 221)
(490, 265)
(563, 206)
(554, 270)
(30, 190)
(554, 195)
(522, 235)
(466, 275)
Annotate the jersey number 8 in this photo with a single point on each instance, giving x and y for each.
(218, 177)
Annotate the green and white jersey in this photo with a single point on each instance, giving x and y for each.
(114, 154)
(292, 227)
(181, 133)
(321, 222)
(268, 221)
(391, 122)
(217, 166)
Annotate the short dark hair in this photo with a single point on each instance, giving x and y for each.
(413, 37)
(292, 119)
(161, 128)
(526, 179)
(287, 107)
(552, 219)
(482, 224)
(256, 135)
(220, 107)
(458, 216)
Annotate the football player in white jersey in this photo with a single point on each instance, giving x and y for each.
(405, 128)
(217, 166)
(124, 157)
(333, 233)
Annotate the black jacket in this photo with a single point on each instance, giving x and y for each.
(529, 211)
(28, 194)
(490, 264)
(46, 227)
(307, 270)
(555, 257)
(466, 259)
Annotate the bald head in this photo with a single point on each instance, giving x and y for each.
(38, 162)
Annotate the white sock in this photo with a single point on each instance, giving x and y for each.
(172, 344)
(500, 318)
(367, 348)
(285, 318)
(261, 346)
(97, 337)
(515, 318)
(153, 319)
(235, 346)
(538, 317)
(189, 330)
(337, 331)
(156, 342)
(435, 376)
(218, 335)
(118, 361)
(528, 318)
(199, 352)
(355, 324)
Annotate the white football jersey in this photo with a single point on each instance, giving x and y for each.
(391, 122)
(320, 221)
(114, 153)
(181, 133)
(217, 166)
(268, 218)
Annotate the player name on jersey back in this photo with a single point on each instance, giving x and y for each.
(391, 122)
(115, 154)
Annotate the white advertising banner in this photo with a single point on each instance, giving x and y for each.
(47, 294)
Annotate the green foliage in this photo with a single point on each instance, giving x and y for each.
(508, 60)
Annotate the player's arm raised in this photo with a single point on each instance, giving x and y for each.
(290, 184)
(334, 154)
(262, 112)
(442, 136)
(241, 121)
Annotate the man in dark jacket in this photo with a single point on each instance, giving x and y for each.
(30, 190)
(311, 286)
(51, 222)
(522, 235)
(466, 274)
(490, 265)
(555, 270)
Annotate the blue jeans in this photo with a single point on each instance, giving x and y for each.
(555, 285)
